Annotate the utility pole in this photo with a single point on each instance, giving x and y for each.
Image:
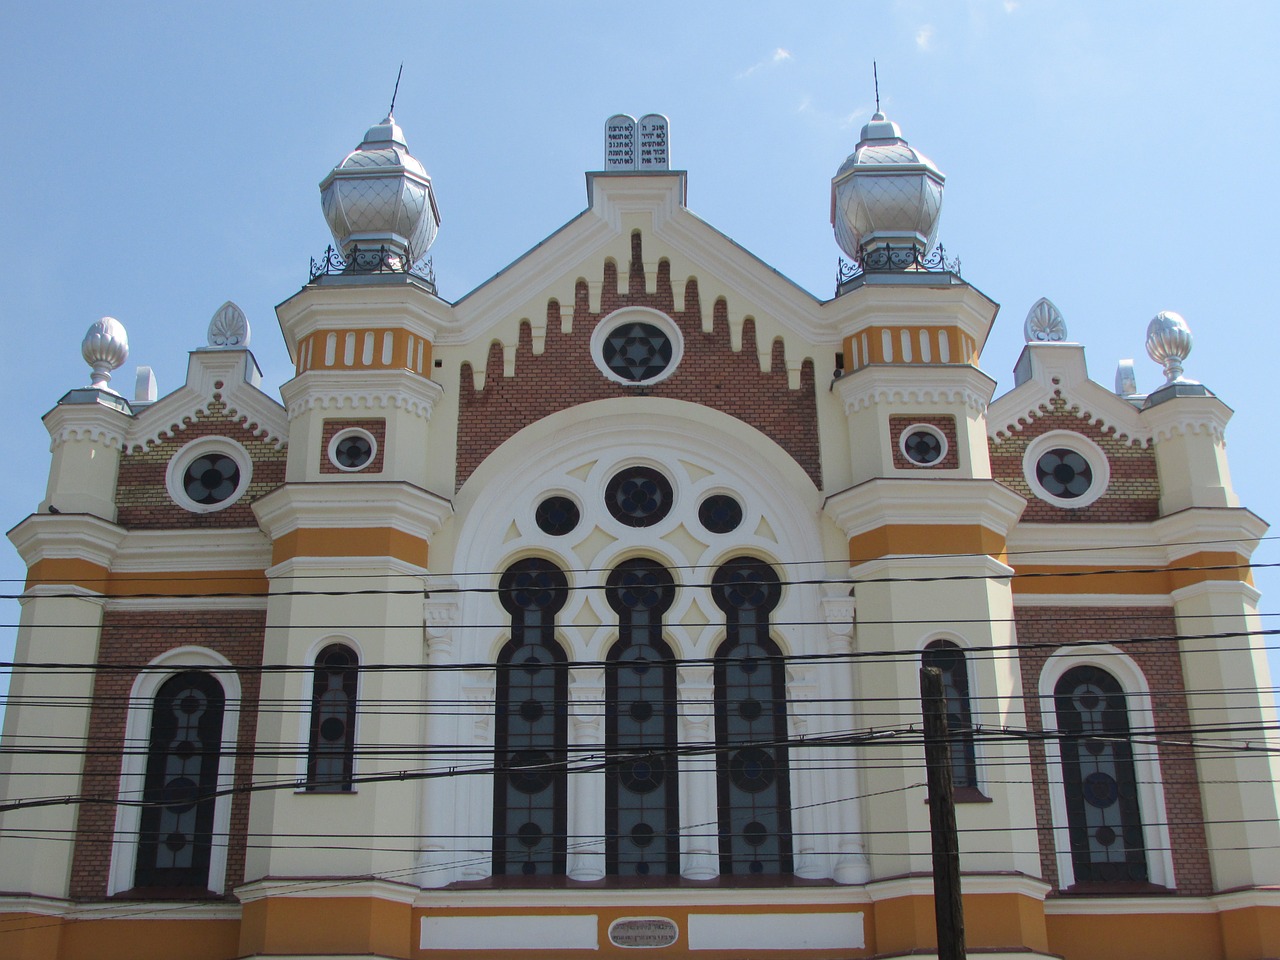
(947, 907)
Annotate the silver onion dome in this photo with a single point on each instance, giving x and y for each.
(105, 347)
(1169, 343)
(380, 196)
(887, 193)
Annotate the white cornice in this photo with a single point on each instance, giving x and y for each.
(67, 536)
(336, 306)
(87, 421)
(934, 501)
(1091, 600)
(901, 385)
(395, 504)
(916, 305)
(178, 604)
(372, 390)
(914, 566)
(1213, 529)
(236, 370)
(1187, 416)
(372, 887)
(344, 568)
(973, 884)
(192, 550)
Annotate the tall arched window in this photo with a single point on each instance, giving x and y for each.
(642, 803)
(949, 658)
(331, 751)
(531, 735)
(175, 836)
(751, 724)
(1103, 819)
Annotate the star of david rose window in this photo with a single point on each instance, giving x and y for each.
(637, 346)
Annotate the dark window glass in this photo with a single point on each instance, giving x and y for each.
(637, 351)
(331, 753)
(531, 732)
(1103, 820)
(949, 658)
(175, 837)
(211, 479)
(642, 801)
(557, 516)
(638, 496)
(353, 451)
(1064, 473)
(720, 513)
(751, 724)
(922, 447)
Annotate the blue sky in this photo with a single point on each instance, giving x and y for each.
(161, 159)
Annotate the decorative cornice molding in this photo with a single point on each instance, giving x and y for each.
(920, 393)
(75, 421)
(384, 390)
(1006, 424)
(899, 385)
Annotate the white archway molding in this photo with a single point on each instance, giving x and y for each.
(133, 767)
(1146, 757)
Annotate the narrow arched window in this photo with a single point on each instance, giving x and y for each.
(642, 803)
(949, 658)
(751, 724)
(331, 751)
(1103, 819)
(531, 731)
(175, 837)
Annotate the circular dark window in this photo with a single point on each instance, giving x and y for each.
(642, 835)
(637, 352)
(720, 513)
(529, 771)
(353, 451)
(1064, 473)
(745, 583)
(751, 769)
(557, 516)
(212, 478)
(922, 447)
(643, 776)
(638, 496)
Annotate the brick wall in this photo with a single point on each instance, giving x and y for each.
(943, 424)
(143, 501)
(377, 428)
(137, 637)
(564, 375)
(1161, 665)
(1132, 496)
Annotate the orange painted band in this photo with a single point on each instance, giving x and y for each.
(350, 542)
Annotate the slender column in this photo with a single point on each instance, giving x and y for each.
(700, 852)
(845, 816)
(809, 840)
(439, 729)
(586, 790)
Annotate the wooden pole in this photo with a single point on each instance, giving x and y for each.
(947, 906)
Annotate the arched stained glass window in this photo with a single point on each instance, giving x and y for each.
(331, 751)
(949, 658)
(751, 724)
(531, 730)
(176, 830)
(642, 800)
(1103, 819)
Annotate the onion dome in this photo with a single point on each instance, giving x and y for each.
(105, 347)
(886, 194)
(379, 197)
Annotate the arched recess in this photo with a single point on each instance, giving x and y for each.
(139, 724)
(948, 655)
(1134, 701)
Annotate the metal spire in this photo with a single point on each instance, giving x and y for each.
(874, 74)
(392, 109)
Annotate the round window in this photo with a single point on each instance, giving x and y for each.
(1066, 469)
(923, 444)
(352, 450)
(637, 346)
(720, 513)
(209, 474)
(639, 496)
(1064, 473)
(557, 516)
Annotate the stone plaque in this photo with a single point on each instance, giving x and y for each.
(643, 932)
(620, 143)
(654, 148)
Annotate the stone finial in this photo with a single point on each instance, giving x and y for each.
(105, 347)
(229, 328)
(1044, 323)
(1169, 343)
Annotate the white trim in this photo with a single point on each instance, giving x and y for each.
(124, 850)
(200, 447)
(1146, 758)
(1092, 600)
(186, 603)
(654, 318)
(341, 435)
(1079, 444)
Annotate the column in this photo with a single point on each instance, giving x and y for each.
(700, 824)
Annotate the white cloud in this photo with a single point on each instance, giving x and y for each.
(779, 55)
(1010, 6)
(924, 37)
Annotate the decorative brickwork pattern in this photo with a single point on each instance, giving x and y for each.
(330, 428)
(143, 501)
(1162, 667)
(137, 637)
(943, 424)
(1132, 496)
(711, 374)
